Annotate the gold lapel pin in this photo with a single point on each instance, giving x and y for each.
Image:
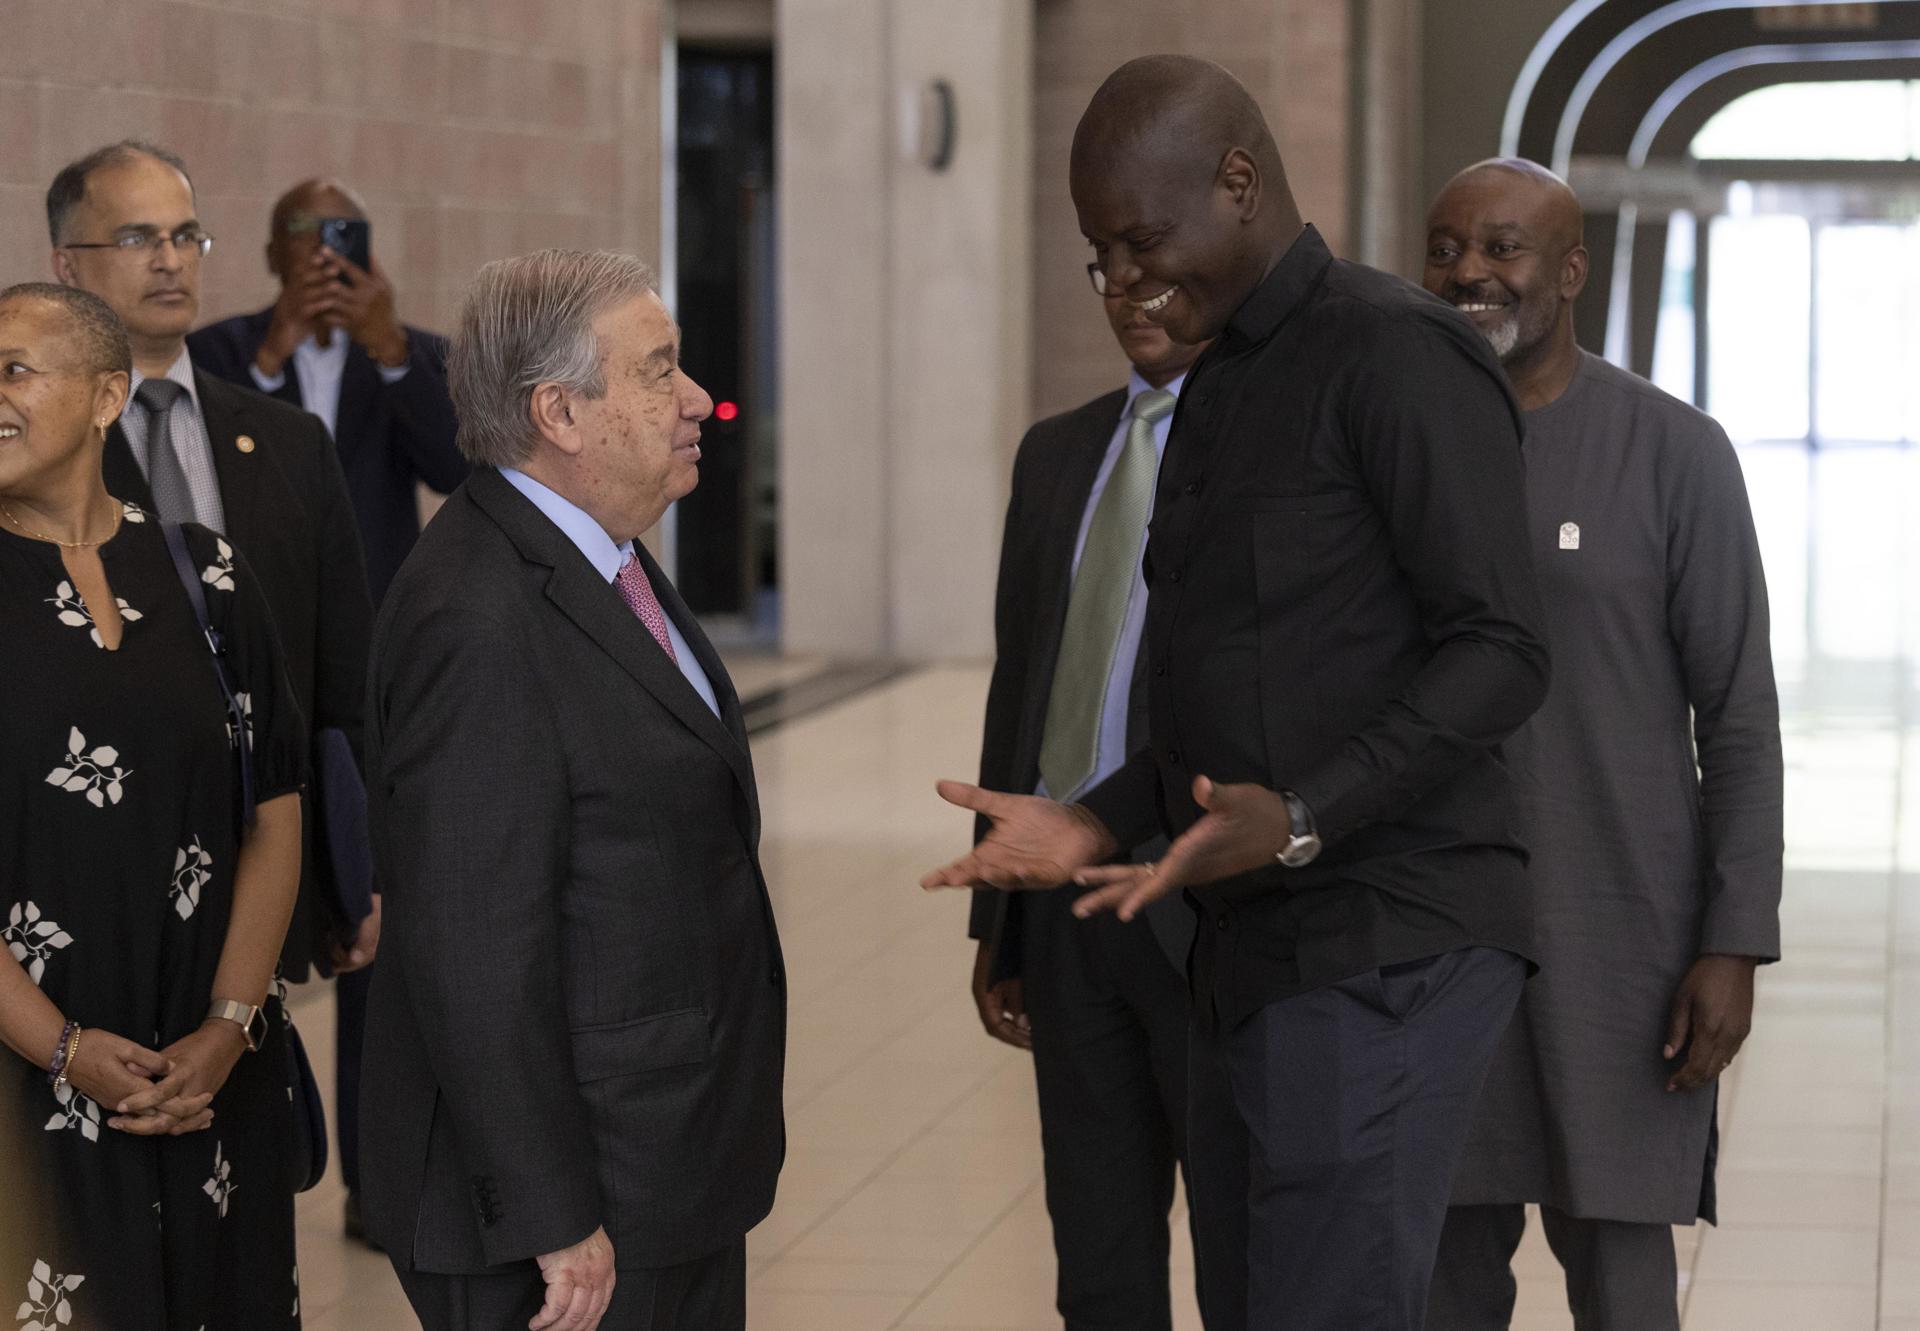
(244, 443)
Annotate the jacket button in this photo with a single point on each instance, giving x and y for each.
(1193, 487)
(1173, 757)
(1160, 669)
(1222, 922)
(1174, 576)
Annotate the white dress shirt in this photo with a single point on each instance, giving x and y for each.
(321, 370)
(607, 559)
(187, 427)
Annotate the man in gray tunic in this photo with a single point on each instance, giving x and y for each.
(1649, 790)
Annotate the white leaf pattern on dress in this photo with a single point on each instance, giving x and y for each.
(32, 938)
(46, 1307)
(219, 574)
(191, 865)
(73, 612)
(132, 512)
(98, 777)
(220, 1186)
(76, 1113)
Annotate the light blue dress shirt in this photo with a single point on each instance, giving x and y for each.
(1114, 708)
(607, 559)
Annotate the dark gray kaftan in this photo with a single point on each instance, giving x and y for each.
(1657, 610)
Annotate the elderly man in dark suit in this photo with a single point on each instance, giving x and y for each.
(1102, 1006)
(192, 447)
(333, 343)
(576, 1038)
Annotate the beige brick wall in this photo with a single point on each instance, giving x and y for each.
(1292, 55)
(475, 128)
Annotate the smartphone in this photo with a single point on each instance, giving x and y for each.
(349, 237)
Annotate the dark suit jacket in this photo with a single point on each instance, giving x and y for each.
(287, 512)
(579, 1016)
(389, 435)
(1053, 475)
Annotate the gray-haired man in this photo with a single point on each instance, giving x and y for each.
(576, 1037)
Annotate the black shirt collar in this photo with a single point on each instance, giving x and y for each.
(1283, 290)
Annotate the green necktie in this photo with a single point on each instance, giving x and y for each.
(1109, 562)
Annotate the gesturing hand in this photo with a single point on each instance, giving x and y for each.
(1712, 1013)
(579, 1285)
(1002, 1006)
(1034, 843)
(1243, 828)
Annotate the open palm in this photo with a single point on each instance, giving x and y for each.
(1034, 843)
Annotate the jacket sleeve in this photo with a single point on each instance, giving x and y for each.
(471, 818)
(343, 606)
(1717, 615)
(423, 420)
(1010, 659)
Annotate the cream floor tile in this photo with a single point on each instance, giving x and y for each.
(1768, 1307)
(1756, 1196)
(804, 1275)
(1830, 1151)
(1541, 1305)
(814, 1310)
(1786, 1256)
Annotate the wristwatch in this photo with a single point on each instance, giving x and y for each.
(1303, 842)
(251, 1020)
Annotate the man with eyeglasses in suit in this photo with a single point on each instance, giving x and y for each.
(191, 447)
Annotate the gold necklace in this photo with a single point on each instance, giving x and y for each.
(118, 510)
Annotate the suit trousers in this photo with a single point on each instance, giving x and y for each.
(706, 1294)
(1326, 1128)
(1621, 1276)
(1109, 1014)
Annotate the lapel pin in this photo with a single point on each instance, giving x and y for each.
(244, 443)
(1569, 536)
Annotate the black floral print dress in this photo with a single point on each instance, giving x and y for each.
(117, 854)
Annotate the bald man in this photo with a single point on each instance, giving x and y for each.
(1650, 793)
(333, 344)
(1342, 625)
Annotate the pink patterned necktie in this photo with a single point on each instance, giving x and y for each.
(637, 592)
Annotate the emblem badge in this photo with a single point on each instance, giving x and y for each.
(244, 443)
(1569, 536)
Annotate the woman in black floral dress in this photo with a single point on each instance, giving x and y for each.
(142, 921)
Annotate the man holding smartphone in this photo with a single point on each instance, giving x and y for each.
(334, 345)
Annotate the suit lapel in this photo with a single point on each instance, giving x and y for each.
(224, 412)
(579, 592)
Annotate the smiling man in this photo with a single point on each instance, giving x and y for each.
(576, 1033)
(1342, 625)
(1650, 793)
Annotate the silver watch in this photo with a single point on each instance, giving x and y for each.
(251, 1020)
(1303, 842)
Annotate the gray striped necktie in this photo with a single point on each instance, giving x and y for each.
(172, 497)
(1097, 609)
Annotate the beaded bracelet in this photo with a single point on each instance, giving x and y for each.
(63, 1056)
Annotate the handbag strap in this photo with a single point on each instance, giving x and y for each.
(236, 714)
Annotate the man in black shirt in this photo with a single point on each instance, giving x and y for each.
(1342, 626)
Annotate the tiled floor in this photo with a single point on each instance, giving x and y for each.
(912, 1199)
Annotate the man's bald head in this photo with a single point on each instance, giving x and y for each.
(1525, 188)
(317, 197)
(1505, 247)
(1178, 112)
(1181, 191)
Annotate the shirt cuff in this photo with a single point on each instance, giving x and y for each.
(265, 383)
(395, 373)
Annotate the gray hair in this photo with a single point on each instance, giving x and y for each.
(529, 321)
(70, 186)
(98, 330)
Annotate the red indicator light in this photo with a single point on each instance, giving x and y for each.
(725, 411)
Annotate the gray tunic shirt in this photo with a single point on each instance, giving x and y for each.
(1642, 857)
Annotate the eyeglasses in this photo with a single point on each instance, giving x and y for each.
(1098, 276)
(186, 239)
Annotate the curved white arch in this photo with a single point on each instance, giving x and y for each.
(1622, 45)
(1536, 64)
(1746, 57)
